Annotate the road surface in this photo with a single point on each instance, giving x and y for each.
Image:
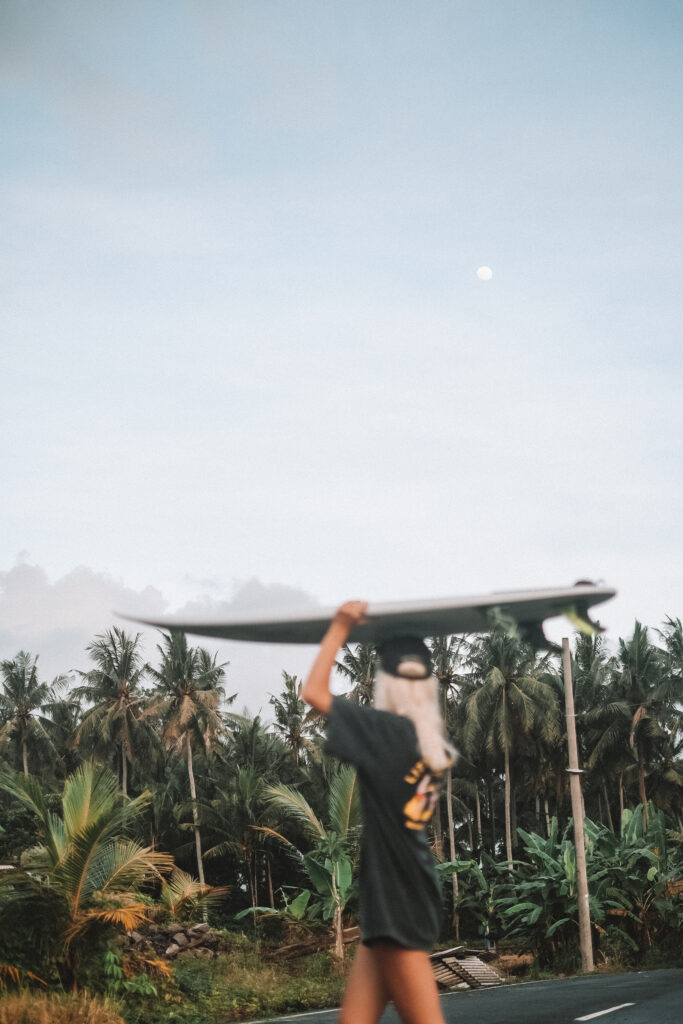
(645, 997)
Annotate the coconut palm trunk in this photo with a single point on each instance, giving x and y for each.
(508, 802)
(271, 894)
(451, 840)
(195, 812)
(437, 831)
(492, 817)
(641, 787)
(621, 798)
(605, 795)
(337, 923)
(513, 816)
(124, 771)
(24, 754)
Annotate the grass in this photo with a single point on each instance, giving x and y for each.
(34, 1008)
(240, 984)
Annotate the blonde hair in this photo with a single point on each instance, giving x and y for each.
(418, 700)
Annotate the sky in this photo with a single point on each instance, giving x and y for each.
(246, 360)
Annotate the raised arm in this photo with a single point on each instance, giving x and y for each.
(316, 689)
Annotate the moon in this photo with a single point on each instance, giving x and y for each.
(484, 273)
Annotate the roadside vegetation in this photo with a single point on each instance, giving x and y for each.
(134, 800)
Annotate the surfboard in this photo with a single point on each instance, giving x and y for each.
(524, 610)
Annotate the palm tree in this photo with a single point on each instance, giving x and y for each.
(605, 738)
(513, 704)
(164, 813)
(255, 759)
(591, 677)
(188, 694)
(473, 763)
(63, 721)
(666, 781)
(291, 715)
(648, 693)
(119, 714)
(253, 746)
(445, 653)
(22, 696)
(86, 875)
(644, 698)
(672, 636)
(234, 817)
(359, 664)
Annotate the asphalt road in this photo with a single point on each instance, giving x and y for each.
(646, 997)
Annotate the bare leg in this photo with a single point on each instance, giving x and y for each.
(407, 975)
(366, 994)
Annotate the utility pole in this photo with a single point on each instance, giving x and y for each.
(577, 813)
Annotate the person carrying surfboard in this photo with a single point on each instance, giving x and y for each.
(400, 751)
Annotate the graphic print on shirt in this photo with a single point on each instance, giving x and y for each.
(419, 809)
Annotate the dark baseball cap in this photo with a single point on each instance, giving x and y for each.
(399, 650)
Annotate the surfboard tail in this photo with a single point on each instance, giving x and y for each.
(532, 631)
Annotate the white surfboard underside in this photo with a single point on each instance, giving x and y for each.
(441, 617)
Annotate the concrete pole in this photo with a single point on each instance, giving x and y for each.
(577, 814)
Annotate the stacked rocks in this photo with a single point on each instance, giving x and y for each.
(172, 940)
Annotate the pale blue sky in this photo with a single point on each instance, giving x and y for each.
(242, 333)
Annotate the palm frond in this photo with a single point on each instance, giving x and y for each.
(344, 801)
(88, 795)
(182, 893)
(128, 918)
(291, 801)
(126, 865)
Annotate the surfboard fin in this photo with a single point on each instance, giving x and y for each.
(530, 632)
(581, 620)
(533, 634)
(577, 614)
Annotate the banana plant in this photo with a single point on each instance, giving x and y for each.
(479, 891)
(632, 884)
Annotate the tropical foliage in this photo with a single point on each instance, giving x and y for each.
(21, 698)
(329, 862)
(630, 875)
(86, 875)
(102, 775)
(117, 718)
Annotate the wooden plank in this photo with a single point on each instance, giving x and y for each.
(449, 970)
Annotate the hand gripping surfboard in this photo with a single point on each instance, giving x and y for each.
(523, 611)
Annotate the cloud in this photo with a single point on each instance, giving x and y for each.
(57, 620)
(249, 596)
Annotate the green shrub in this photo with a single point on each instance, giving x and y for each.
(617, 948)
(194, 977)
(666, 952)
(238, 985)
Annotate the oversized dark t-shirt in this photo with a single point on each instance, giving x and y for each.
(399, 889)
